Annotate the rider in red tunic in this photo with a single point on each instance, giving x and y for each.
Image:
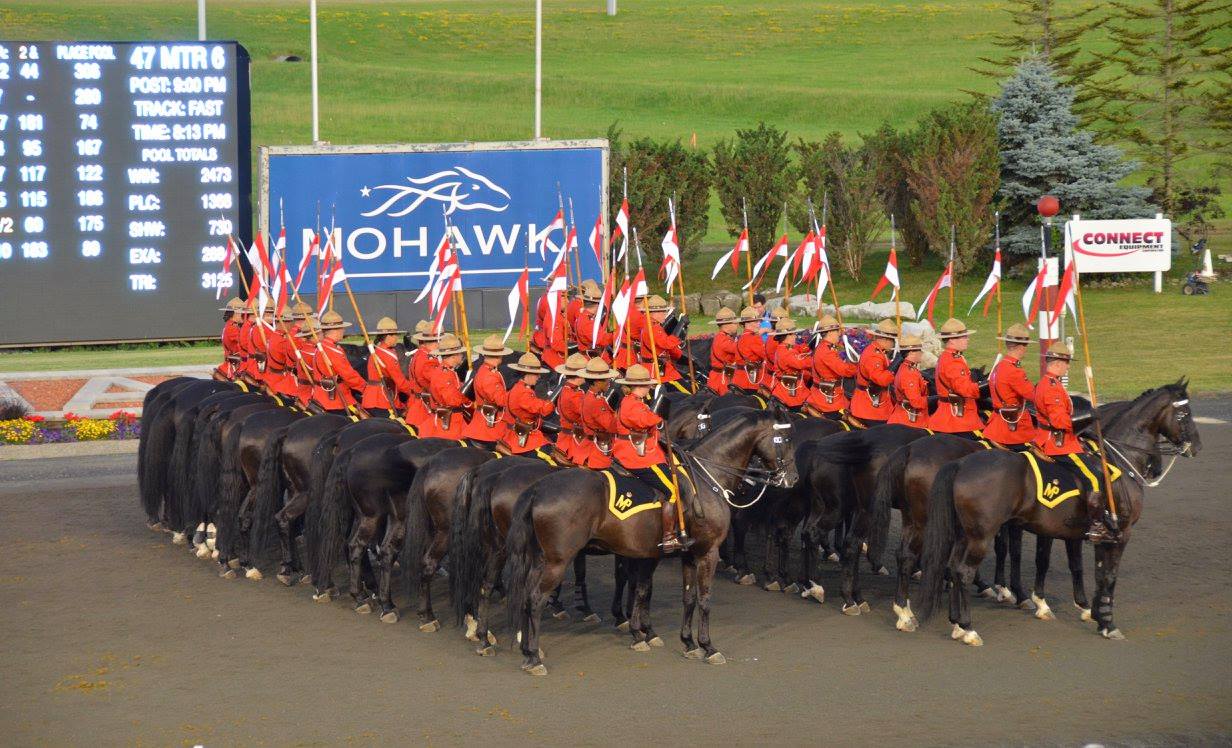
(338, 384)
(637, 449)
(750, 354)
(490, 421)
(386, 379)
(584, 327)
(572, 441)
(957, 412)
(449, 406)
(632, 338)
(262, 335)
(910, 388)
(871, 401)
(827, 398)
(598, 417)
(1011, 390)
(232, 352)
(667, 347)
(792, 362)
(772, 347)
(526, 409)
(419, 373)
(723, 351)
(248, 363)
(551, 338)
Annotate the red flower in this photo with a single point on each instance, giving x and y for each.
(35, 418)
(71, 416)
(122, 415)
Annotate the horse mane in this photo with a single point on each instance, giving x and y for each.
(1133, 412)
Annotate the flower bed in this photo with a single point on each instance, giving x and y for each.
(34, 429)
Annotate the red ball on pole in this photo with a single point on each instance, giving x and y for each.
(1048, 206)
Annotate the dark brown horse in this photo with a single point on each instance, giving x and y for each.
(974, 496)
(567, 511)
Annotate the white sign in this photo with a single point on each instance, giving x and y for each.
(1138, 245)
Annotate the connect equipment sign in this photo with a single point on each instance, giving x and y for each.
(1127, 246)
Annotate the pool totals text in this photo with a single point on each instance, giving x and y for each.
(124, 167)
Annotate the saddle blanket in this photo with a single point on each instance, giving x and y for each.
(1057, 481)
(628, 494)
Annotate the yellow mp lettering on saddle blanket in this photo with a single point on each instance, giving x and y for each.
(1061, 484)
(628, 495)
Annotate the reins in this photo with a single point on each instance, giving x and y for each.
(1160, 448)
(750, 474)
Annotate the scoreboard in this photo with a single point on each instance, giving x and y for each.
(124, 168)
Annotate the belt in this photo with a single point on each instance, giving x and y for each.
(1011, 415)
(874, 394)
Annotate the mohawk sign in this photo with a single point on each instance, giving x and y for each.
(1122, 246)
(388, 207)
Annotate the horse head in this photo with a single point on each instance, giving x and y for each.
(775, 449)
(1175, 421)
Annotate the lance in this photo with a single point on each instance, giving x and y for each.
(748, 252)
(951, 269)
(997, 251)
(654, 371)
(332, 223)
(898, 315)
(459, 296)
(825, 206)
(1089, 371)
(790, 256)
(577, 251)
(526, 307)
(299, 357)
(560, 201)
(688, 356)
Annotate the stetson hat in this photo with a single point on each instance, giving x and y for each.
(310, 329)
(725, 316)
(493, 346)
(749, 314)
(784, 326)
(908, 342)
(300, 310)
(886, 328)
(528, 363)
(780, 313)
(953, 328)
(1059, 351)
(573, 366)
(597, 368)
(450, 345)
(423, 332)
(591, 294)
(657, 303)
(827, 323)
(333, 321)
(235, 305)
(1017, 333)
(386, 326)
(637, 376)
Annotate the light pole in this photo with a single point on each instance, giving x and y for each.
(538, 68)
(1048, 206)
(200, 20)
(312, 31)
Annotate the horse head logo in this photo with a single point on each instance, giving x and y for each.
(457, 189)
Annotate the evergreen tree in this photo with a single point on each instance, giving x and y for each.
(754, 171)
(1044, 152)
(1041, 29)
(1162, 77)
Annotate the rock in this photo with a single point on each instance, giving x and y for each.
(711, 302)
(806, 304)
(928, 336)
(692, 303)
(732, 301)
(874, 311)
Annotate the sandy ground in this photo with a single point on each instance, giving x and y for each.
(114, 636)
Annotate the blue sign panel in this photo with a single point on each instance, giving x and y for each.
(389, 209)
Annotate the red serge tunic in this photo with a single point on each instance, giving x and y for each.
(791, 361)
(1054, 410)
(232, 352)
(1010, 390)
(305, 369)
(633, 331)
(446, 393)
(667, 347)
(636, 416)
(282, 363)
(528, 411)
(345, 377)
(554, 344)
(389, 375)
(911, 397)
(572, 439)
(722, 355)
(954, 377)
(750, 352)
(490, 391)
(583, 330)
(598, 419)
(421, 368)
(829, 369)
(873, 372)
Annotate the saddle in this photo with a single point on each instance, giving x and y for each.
(627, 494)
(1065, 477)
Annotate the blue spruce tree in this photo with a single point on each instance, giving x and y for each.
(1044, 152)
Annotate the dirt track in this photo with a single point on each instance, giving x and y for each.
(112, 635)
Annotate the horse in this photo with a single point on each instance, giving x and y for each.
(155, 399)
(973, 497)
(567, 511)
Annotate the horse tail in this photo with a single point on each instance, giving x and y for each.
(524, 554)
(418, 532)
(888, 485)
(469, 536)
(940, 535)
(319, 464)
(333, 522)
(208, 461)
(231, 490)
(158, 438)
(267, 494)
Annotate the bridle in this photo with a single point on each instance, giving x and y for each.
(1161, 448)
(751, 475)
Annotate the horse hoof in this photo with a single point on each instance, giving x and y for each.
(640, 647)
(1084, 614)
(792, 588)
(864, 606)
(472, 628)
(202, 552)
(214, 554)
(179, 538)
(815, 592)
(363, 608)
(285, 580)
(917, 575)
(883, 571)
(1042, 611)
(561, 615)
(488, 651)
(539, 669)
(717, 659)
(1003, 595)
(254, 574)
(972, 639)
(851, 610)
(907, 625)
(1113, 634)
(389, 617)
(228, 574)
(431, 626)
(656, 642)
(832, 558)
(155, 526)
(623, 627)
(1027, 605)
(323, 597)
(234, 563)
(747, 580)
(491, 639)
(695, 654)
(592, 618)
(988, 592)
(773, 587)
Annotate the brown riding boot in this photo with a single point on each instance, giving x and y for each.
(1102, 529)
(671, 542)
